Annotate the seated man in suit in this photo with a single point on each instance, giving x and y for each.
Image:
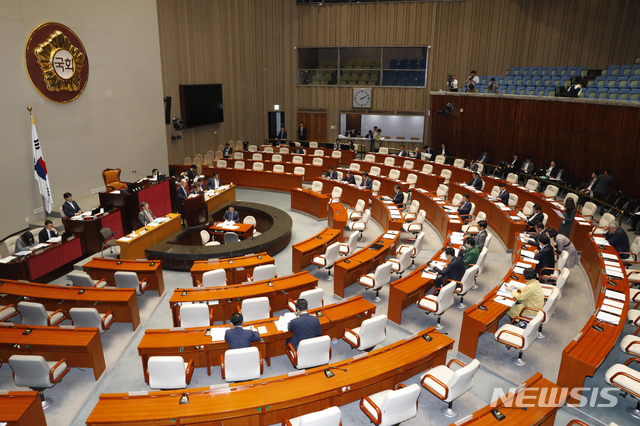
(552, 170)
(366, 183)
(331, 174)
(213, 182)
(504, 194)
(563, 174)
(181, 194)
(48, 232)
(155, 174)
(618, 239)
(428, 153)
(231, 215)
(539, 230)
(196, 188)
(403, 152)
(416, 153)
(469, 252)
(298, 149)
(145, 216)
(465, 208)
(398, 197)
(485, 157)
(237, 337)
(305, 326)
(481, 236)
(536, 216)
(528, 167)
(476, 181)
(192, 172)
(349, 178)
(227, 151)
(453, 271)
(70, 208)
(544, 256)
(512, 166)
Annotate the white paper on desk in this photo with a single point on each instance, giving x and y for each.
(217, 333)
(504, 301)
(41, 245)
(609, 256)
(429, 275)
(527, 253)
(452, 216)
(492, 198)
(153, 224)
(56, 239)
(504, 208)
(454, 221)
(262, 329)
(580, 219)
(457, 235)
(527, 259)
(523, 264)
(614, 272)
(610, 309)
(125, 239)
(584, 223)
(438, 264)
(559, 213)
(441, 203)
(601, 241)
(442, 256)
(521, 216)
(115, 192)
(613, 303)
(437, 198)
(518, 270)
(612, 263)
(388, 237)
(517, 284)
(503, 293)
(78, 217)
(23, 253)
(615, 295)
(608, 318)
(7, 259)
(515, 217)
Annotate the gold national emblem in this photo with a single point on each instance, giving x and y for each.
(60, 62)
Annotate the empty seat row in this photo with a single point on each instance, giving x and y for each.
(403, 78)
(535, 80)
(621, 94)
(616, 81)
(622, 69)
(408, 64)
(569, 71)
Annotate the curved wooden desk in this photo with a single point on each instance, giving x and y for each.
(381, 213)
(80, 346)
(350, 193)
(304, 251)
(151, 270)
(310, 202)
(387, 185)
(434, 207)
(191, 343)
(123, 302)
(260, 180)
(224, 300)
(269, 400)
(21, 409)
(426, 181)
(141, 240)
(585, 353)
(337, 216)
(236, 268)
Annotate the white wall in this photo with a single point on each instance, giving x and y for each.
(391, 125)
(117, 122)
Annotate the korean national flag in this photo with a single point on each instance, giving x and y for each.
(40, 169)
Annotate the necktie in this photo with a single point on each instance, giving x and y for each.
(148, 215)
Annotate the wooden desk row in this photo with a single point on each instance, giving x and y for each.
(381, 213)
(310, 169)
(192, 343)
(236, 268)
(304, 251)
(585, 353)
(427, 181)
(347, 270)
(224, 300)
(311, 202)
(143, 239)
(105, 268)
(307, 158)
(80, 346)
(350, 193)
(259, 179)
(269, 400)
(457, 174)
(434, 207)
(21, 409)
(123, 302)
(345, 155)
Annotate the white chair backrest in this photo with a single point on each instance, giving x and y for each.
(495, 191)
(313, 297)
(314, 352)
(635, 246)
(365, 216)
(487, 241)
(352, 242)
(255, 308)
(445, 173)
(573, 196)
(256, 156)
(238, 165)
(316, 186)
(82, 279)
(551, 191)
(527, 209)
(194, 315)
(86, 317)
(589, 209)
(440, 159)
(408, 164)
(328, 417)
(187, 161)
(394, 174)
(421, 216)
(204, 237)
(456, 200)
(354, 167)
(250, 220)
(458, 163)
(389, 161)
(532, 184)
(278, 168)
(284, 150)
(336, 193)
(473, 208)
(340, 174)
(383, 150)
(336, 154)
(331, 254)
(126, 279)
(405, 260)
(375, 171)
(382, 274)
(242, 364)
(427, 168)
(258, 166)
(482, 257)
(167, 372)
(481, 216)
(296, 159)
(445, 298)
(468, 279)
(375, 186)
(512, 178)
(530, 334)
(462, 380)
(373, 331)
(238, 155)
(480, 168)
(299, 171)
(215, 278)
(562, 260)
(221, 164)
(358, 179)
(549, 306)
(606, 219)
(442, 190)
(412, 178)
(207, 159)
(317, 152)
(370, 158)
(268, 149)
(513, 200)
(317, 161)
(418, 243)
(264, 272)
(30, 371)
(276, 158)
(253, 148)
(359, 205)
(414, 207)
(562, 280)
(400, 405)
(313, 144)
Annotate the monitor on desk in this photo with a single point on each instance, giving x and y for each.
(95, 211)
(108, 207)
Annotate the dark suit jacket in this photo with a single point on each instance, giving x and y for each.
(234, 217)
(514, 165)
(464, 210)
(213, 183)
(528, 167)
(562, 176)
(417, 155)
(43, 236)
(534, 238)
(504, 197)
(349, 179)
(282, 135)
(302, 133)
(226, 153)
(143, 218)
(238, 337)
(332, 175)
(304, 327)
(602, 184)
(403, 153)
(535, 217)
(545, 258)
(619, 240)
(484, 158)
(476, 183)
(68, 210)
(453, 271)
(181, 195)
(191, 174)
(398, 198)
(367, 183)
(429, 151)
(553, 173)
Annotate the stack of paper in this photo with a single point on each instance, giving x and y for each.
(7, 259)
(615, 295)
(614, 272)
(56, 239)
(282, 323)
(601, 241)
(527, 253)
(504, 301)
(442, 256)
(429, 275)
(608, 318)
(609, 256)
(217, 333)
(390, 235)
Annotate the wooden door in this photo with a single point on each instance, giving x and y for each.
(354, 122)
(316, 124)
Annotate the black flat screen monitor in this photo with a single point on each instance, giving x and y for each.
(201, 104)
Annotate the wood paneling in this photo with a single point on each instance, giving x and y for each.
(249, 47)
(316, 124)
(585, 135)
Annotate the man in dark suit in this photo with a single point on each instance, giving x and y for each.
(416, 153)
(544, 256)
(428, 153)
(227, 151)
(349, 178)
(302, 132)
(563, 174)
(192, 172)
(403, 152)
(398, 197)
(601, 187)
(446, 152)
(504, 194)
(453, 271)
(237, 337)
(465, 208)
(485, 157)
(196, 188)
(331, 174)
(70, 208)
(512, 166)
(282, 135)
(481, 236)
(539, 231)
(305, 326)
(366, 183)
(618, 239)
(145, 216)
(232, 215)
(47, 232)
(536, 216)
(476, 181)
(181, 194)
(528, 167)
(213, 182)
(551, 171)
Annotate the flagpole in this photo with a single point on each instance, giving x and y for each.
(44, 206)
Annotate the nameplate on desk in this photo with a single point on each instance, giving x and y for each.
(67, 327)
(138, 393)
(362, 355)
(219, 386)
(177, 329)
(463, 420)
(296, 373)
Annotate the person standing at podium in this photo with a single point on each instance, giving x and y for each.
(231, 215)
(70, 208)
(47, 232)
(145, 216)
(181, 194)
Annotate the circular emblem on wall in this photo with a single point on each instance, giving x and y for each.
(56, 62)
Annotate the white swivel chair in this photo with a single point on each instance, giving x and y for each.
(630, 344)
(446, 174)
(340, 175)
(440, 159)
(195, 315)
(394, 174)
(458, 163)
(317, 161)
(278, 168)
(296, 159)
(350, 245)
(317, 152)
(316, 186)
(560, 281)
(515, 337)
(604, 222)
(313, 297)
(252, 221)
(383, 150)
(237, 365)
(466, 283)
(513, 200)
(357, 211)
(299, 171)
(532, 184)
(336, 154)
(35, 314)
(336, 194)
(371, 332)
(370, 158)
(512, 178)
(327, 259)
(472, 227)
(438, 304)
(253, 148)
(627, 380)
(374, 171)
(8, 312)
(258, 166)
(310, 353)
(588, 210)
(256, 308)
(91, 318)
(221, 164)
(456, 200)
(412, 180)
(276, 158)
(354, 167)
(205, 238)
(361, 224)
(377, 280)
(412, 212)
(408, 164)
(238, 165)
(495, 191)
(414, 245)
(442, 191)
(417, 225)
(263, 272)
(328, 417)
(126, 279)
(268, 149)
(482, 258)
(314, 144)
(256, 156)
(35, 372)
(168, 372)
(527, 209)
(238, 155)
(401, 262)
(449, 384)
(375, 187)
(82, 279)
(427, 168)
(551, 191)
(392, 407)
(390, 161)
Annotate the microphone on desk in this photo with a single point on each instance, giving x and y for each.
(498, 414)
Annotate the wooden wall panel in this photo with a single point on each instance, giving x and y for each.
(586, 136)
(249, 47)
